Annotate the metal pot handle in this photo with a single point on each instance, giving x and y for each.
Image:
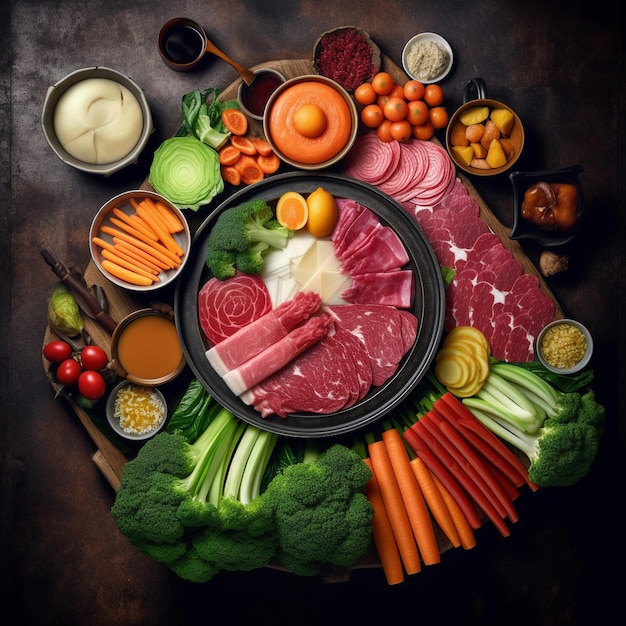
(479, 86)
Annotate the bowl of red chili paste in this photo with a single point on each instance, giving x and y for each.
(347, 55)
(426, 306)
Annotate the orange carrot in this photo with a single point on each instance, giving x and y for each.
(144, 264)
(249, 170)
(171, 219)
(154, 248)
(243, 144)
(463, 528)
(235, 121)
(114, 258)
(262, 147)
(231, 175)
(228, 155)
(126, 275)
(269, 164)
(416, 508)
(382, 532)
(131, 230)
(435, 501)
(134, 222)
(395, 507)
(139, 255)
(149, 213)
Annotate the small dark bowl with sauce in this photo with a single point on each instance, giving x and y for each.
(253, 98)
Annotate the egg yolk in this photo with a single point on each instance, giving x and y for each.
(310, 121)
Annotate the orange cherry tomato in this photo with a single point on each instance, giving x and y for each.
(413, 90)
(397, 91)
(417, 112)
(383, 132)
(401, 131)
(395, 109)
(439, 117)
(424, 131)
(365, 94)
(382, 82)
(433, 95)
(372, 115)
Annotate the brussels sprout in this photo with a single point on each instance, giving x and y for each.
(63, 312)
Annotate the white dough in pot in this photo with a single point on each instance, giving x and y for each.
(98, 121)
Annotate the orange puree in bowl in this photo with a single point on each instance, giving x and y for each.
(149, 347)
(298, 147)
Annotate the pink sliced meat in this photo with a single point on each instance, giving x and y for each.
(383, 330)
(394, 288)
(355, 233)
(276, 356)
(372, 160)
(226, 306)
(332, 375)
(262, 332)
(380, 251)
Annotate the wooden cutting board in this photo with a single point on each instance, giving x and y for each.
(109, 458)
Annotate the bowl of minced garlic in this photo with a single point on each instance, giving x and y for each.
(136, 412)
(564, 346)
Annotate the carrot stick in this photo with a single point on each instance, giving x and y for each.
(435, 501)
(134, 222)
(438, 446)
(466, 419)
(131, 230)
(107, 254)
(482, 476)
(154, 248)
(420, 442)
(139, 254)
(394, 506)
(149, 214)
(413, 498)
(171, 219)
(466, 534)
(124, 274)
(382, 532)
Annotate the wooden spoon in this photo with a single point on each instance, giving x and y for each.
(246, 74)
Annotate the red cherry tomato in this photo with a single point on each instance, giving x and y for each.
(68, 371)
(57, 351)
(91, 385)
(93, 358)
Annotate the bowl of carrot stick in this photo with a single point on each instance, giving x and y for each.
(139, 240)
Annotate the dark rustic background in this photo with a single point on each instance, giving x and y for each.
(63, 560)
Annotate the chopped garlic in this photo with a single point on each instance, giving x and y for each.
(139, 409)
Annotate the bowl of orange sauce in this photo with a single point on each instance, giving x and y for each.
(145, 348)
(311, 122)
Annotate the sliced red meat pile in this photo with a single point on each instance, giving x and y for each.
(490, 290)
(364, 349)
(373, 255)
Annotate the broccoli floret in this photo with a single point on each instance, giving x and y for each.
(236, 234)
(563, 448)
(322, 514)
(192, 567)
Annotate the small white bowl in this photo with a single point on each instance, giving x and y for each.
(122, 202)
(582, 363)
(426, 38)
(114, 421)
(57, 90)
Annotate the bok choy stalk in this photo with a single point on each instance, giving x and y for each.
(202, 116)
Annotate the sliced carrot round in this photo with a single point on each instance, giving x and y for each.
(231, 175)
(269, 164)
(243, 144)
(235, 121)
(229, 155)
(262, 146)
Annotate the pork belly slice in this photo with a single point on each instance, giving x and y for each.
(279, 354)
(262, 332)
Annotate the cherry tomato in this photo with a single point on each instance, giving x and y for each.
(397, 91)
(401, 131)
(365, 94)
(433, 95)
(372, 116)
(93, 358)
(413, 90)
(395, 109)
(57, 351)
(382, 82)
(438, 117)
(383, 132)
(417, 112)
(91, 385)
(68, 371)
(424, 131)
